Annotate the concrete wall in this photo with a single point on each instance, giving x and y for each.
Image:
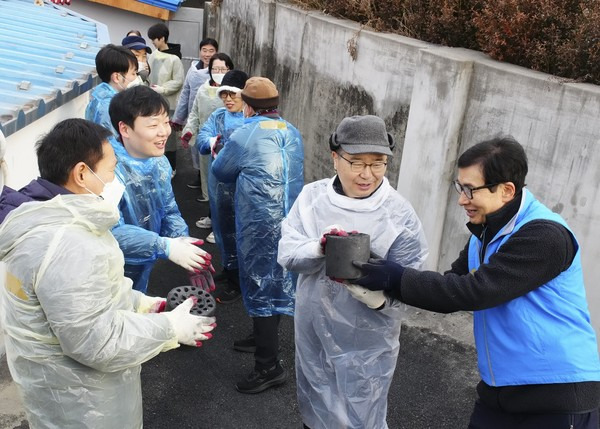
(437, 102)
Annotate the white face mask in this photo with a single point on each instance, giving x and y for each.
(112, 192)
(218, 77)
(133, 83)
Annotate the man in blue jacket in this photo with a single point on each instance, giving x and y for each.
(265, 159)
(520, 273)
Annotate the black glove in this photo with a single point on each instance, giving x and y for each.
(379, 274)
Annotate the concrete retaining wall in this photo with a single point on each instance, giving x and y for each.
(437, 102)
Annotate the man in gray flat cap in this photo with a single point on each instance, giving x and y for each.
(342, 329)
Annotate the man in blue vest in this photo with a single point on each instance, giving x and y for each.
(520, 274)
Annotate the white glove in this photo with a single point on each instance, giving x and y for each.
(371, 298)
(186, 254)
(151, 304)
(190, 330)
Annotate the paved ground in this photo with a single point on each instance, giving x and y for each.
(194, 388)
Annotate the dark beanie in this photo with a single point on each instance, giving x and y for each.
(234, 80)
(260, 93)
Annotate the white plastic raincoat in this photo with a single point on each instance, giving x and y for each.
(346, 352)
(74, 341)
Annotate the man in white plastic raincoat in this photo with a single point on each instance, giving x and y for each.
(76, 332)
(347, 340)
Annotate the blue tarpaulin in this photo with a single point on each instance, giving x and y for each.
(171, 5)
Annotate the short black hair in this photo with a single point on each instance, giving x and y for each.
(208, 41)
(134, 102)
(114, 59)
(502, 159)
(157, 31)
(135, 32)
(70, 141)
(219, 56)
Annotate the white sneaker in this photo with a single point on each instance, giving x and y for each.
(204, 222)
(210, 238)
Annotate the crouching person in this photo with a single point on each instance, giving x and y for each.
(76, 332)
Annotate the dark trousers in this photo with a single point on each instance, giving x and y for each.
(266, 336)
(484, 417)
(172, 157)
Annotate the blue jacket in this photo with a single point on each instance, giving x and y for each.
(148, 213)
(97, 109)
(544, 336)
(265, 159)
(221, 194)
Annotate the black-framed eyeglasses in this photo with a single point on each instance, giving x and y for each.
(359, 166)
(219, 69)
(469, 190)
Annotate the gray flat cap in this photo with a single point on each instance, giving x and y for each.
(363, 134)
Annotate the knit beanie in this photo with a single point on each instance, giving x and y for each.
(234, 81)
(260, 93)
(362, 134)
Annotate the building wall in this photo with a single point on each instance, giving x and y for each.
(185, 27)
(437, 102)
(20, 159)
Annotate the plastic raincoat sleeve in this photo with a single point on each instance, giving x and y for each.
(410, 246)
(226, 167)
(181, 111)
(82, 312)
(297, 251)
(138, 244)
(208, 130)
(192, 123)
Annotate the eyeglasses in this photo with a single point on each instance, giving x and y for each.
(469, 190)
(225, 94)
(359, 166)
(219, 69)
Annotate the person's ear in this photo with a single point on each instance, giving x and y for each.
(114, 77)
(508, 191)
(123, 129)
(336, 159)
(78, 174)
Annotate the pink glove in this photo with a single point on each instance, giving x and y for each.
(330, 230)
(185, 140)
(203, 280)
(176, 126)
(213, 143)
(159, 307)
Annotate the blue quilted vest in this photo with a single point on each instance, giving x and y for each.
(544, 336)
